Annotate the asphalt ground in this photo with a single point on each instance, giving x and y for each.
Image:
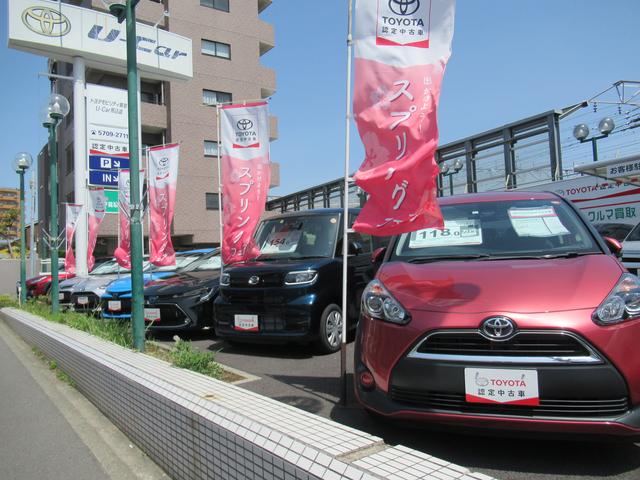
(49, 431)
(299, 377)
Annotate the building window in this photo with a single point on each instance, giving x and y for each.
(217, 49)
(213, 97)
(69, 159)
(217, 4)
(210, 148)
(212, 201)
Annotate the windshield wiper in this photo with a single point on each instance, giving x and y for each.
(443, 258)
(566, 254)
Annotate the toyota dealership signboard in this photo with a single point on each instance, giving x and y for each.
(62, 31)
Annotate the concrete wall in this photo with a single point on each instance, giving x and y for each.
(9, 275)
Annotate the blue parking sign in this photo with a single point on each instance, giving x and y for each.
(104, 178)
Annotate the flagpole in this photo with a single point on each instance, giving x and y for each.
(221, 226)
(345, 219)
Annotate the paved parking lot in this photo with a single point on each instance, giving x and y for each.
(295, 375)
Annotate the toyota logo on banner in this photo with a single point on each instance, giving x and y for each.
(498, 328)
(404, 7)
(244, 124)
(46, 21)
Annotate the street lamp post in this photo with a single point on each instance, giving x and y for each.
(53, 114)
(447, 171)
(21, 164)
(581, 132)
(125, 10)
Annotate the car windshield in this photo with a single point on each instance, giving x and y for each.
(181, 262)
(304, 236)
(210, 261)
(500, 230)
(108, 268)
(634, 235)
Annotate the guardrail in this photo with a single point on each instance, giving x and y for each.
(195, 427)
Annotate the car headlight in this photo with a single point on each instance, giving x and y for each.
(622, 303)
(378, 303)
(225, 280)
(304, 277)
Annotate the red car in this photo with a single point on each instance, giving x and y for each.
(516, 317)
(40, 284)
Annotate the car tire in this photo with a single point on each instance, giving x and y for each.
(330, 330)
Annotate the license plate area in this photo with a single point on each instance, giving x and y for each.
(114, 305)
(245, 323)
(152, 314)
(501, 386)
(83, 300)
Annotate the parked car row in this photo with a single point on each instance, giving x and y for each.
(517, 316)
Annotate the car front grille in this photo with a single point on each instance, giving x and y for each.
(93, 301)
(455, 402)
(540, 344)
(170, 316)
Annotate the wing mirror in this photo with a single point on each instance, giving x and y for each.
(614, 245)
(378, 254)
(355, 248)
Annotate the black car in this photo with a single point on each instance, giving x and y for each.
(184, 300)
(293, 290)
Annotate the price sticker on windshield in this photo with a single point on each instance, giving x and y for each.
(281, 242)
(455, 232)
(536, 222)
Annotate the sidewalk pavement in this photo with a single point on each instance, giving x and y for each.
(48, 430)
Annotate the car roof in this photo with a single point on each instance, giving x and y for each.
(315, 211)
(497, 197)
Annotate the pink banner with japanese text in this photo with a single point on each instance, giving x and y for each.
(73, 212)
(401, 51)
(97, 208)
(163, 177)
(245, 176)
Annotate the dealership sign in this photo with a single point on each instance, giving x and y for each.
(107, 134)
(63, 31)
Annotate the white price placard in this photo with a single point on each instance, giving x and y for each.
(246, 323)
(455, 232)
(114, 305)
(282, 242)
(152, 314)
(536, 222)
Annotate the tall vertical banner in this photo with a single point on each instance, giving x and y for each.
(72, 215)
(123, 250)
(401, 51)
(97, 209)
(245, 176)
(163, 177)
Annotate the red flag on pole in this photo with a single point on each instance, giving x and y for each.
(401, 50)
(72, 214)
(245, 176)
(96, 211)
(163, 177)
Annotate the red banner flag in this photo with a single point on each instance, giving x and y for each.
(96, 211)
(245, 176)
(401, 50)
(163, 177)
(72, 213)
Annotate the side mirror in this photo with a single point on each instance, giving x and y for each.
(378, 254)
(614, 245)
(355, 248)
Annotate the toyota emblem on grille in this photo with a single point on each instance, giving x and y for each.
(498, 328)
(254, 280)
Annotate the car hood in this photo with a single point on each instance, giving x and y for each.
(516, 286)
(182, 283)
(97, 283)
(72, 284)
(123, 284)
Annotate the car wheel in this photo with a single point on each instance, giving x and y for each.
(330, 329)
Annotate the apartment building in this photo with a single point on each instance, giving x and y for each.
(9, 201)
(228, 39)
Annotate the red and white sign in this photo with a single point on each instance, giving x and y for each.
(72, 214)
(497, 385)
(245, 176)
(246, 323)
(163, 178)
(401, 50)
(152, 314)
(96, 211)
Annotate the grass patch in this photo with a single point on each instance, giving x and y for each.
(183, 355)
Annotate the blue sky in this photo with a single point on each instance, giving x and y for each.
(511, 59)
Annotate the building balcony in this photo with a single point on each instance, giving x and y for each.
(153, 116)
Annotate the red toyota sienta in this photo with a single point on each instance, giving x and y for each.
(516, 316)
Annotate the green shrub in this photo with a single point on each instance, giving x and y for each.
(184, 355)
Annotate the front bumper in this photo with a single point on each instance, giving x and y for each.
(293, 321)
